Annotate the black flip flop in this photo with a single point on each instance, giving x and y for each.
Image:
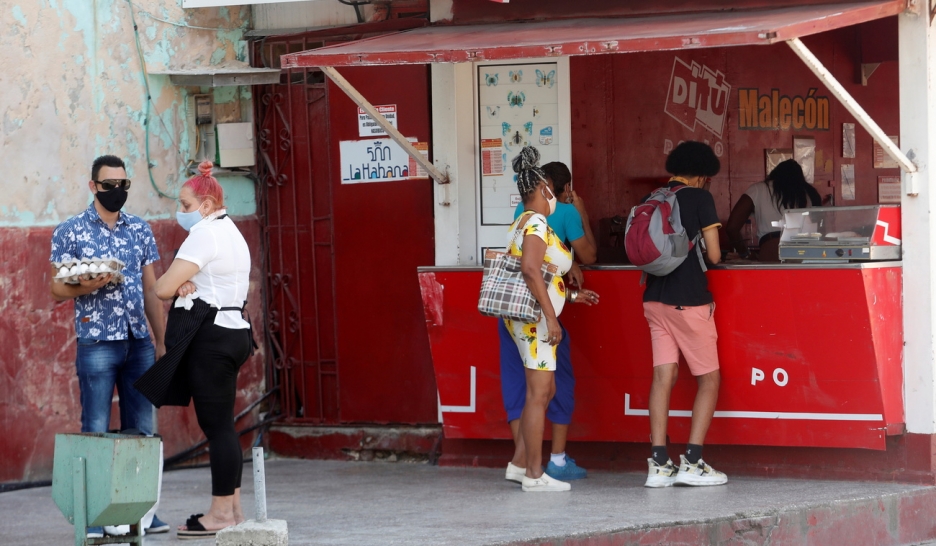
(194, 529)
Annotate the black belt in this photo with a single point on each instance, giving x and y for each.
(253, 342)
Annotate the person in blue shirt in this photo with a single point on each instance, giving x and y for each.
(114, 343)
(570, 222)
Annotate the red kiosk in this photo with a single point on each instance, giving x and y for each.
(811, 353)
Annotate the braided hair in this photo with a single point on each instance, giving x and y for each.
(529, 174)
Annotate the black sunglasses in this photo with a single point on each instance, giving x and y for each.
(111, 183)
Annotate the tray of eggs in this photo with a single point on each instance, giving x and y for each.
(74, 271)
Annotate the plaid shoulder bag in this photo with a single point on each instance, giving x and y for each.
(504, 293)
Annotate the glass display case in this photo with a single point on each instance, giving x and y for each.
(835, 234)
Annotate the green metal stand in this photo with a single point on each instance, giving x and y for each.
(105, 479)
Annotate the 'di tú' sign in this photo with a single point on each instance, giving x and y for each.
(775, 111)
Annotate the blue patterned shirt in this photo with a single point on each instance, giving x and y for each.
(109, 312)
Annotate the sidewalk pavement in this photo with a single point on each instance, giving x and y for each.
(358, 503)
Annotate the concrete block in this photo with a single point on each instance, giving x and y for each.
(271, 532)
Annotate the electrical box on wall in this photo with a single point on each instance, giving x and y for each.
(200, 127)
(202, 109)
(235, 144)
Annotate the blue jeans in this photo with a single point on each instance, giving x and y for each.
(102, 365)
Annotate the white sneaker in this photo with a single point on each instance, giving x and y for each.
(698, 474)
(116, 530)
(660, 476)
(515, 473)
(544, 483)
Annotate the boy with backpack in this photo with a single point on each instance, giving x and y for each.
(663, 234)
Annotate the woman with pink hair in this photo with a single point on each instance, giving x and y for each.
(209, 339)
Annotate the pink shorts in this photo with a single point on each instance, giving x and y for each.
(690, 331)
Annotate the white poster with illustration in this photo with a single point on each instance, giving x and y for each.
(518, 105)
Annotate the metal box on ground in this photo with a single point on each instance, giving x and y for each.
(105, 479)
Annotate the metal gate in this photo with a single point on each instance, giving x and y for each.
(296, 203)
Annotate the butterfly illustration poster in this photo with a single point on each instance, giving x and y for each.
(518, 105)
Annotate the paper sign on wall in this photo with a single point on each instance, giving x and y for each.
(804, 152)
(889, 189)
(416, 168)
(378, 160)
(848, 140)
(848, 182)
(775, 156)
(881, 159)
(367, 127)
(492, 157)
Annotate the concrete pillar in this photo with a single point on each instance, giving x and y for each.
(453, 149)
(917, 140)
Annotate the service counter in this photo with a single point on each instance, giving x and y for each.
(810, 356)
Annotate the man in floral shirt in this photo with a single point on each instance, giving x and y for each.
(114, 345)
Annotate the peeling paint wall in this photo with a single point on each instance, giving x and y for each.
(71, 89)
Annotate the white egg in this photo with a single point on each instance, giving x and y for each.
(63, 271)
(73, 270)
(93, 268)
(82, 269)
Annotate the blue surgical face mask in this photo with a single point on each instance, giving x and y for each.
(188, 219)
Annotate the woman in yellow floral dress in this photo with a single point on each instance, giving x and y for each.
(534, 241)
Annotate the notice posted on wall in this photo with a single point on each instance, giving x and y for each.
(848, 182)
(804, 153)
(775, 156)
(378, 160)
(889, 189)
(848, 140)
(492, 157)
(416, 168)
(881, 159)
(367, 127)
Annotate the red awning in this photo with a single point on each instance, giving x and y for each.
(592, 36)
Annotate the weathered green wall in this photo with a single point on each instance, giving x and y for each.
(72, 89)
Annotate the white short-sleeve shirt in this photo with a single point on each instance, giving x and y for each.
(219, 250)
(765, 208)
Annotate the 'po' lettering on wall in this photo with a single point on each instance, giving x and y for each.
(776, 111)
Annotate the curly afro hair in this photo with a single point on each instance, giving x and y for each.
(692, 158)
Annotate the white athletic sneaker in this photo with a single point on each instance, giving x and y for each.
(515, 473)
(660, 476)
(698, 474)
(116, 530)
(544, 483)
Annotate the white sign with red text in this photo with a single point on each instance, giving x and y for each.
(367, 127)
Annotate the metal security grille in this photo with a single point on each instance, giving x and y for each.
(296, 204)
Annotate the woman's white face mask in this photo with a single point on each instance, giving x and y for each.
(551, 199)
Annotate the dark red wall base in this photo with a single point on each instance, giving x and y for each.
(355, 442)
(908, 458)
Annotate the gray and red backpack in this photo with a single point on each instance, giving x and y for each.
(654, 237)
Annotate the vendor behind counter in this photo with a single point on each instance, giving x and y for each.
(784, 188)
